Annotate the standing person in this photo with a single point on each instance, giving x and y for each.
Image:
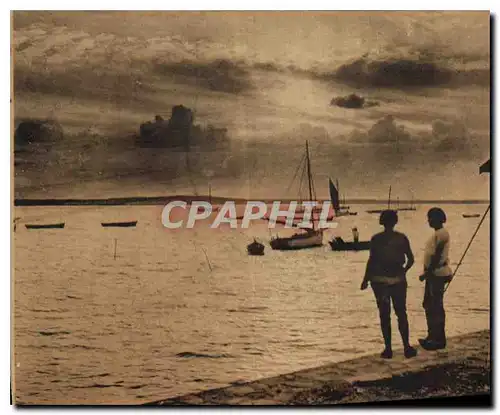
(437, 273)
(390, 259)
(355, 235)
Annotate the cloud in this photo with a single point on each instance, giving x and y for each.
(384, 131)
(218, 75)
(85, 83)
(403, 73)
(451, 136)
(389, 142)
(353, 101)
(395, 73)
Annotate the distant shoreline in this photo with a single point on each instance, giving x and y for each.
(162, 200)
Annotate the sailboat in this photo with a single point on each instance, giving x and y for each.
(334, 197)
(338, 244)
(343, 206)
(411, 207)
(388, 204)
(308, 238)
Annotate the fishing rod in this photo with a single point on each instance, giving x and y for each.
(468, 246)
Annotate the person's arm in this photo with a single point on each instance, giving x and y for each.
(369, 267)
(410, 259)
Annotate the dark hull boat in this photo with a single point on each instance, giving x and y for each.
(472, 215)
(119, 224)
(255, 248)
(339, 245)
(45, 226)
(298, 241)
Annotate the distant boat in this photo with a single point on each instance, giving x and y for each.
(388, 204)
(255, 248)
(411, 207)
(119, 224)
(45, 226)
(334, 197)
(310, 237)
(338, 244)
(408, 208)
(471, 215)
(375, 211)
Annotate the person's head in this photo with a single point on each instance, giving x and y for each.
(354, 229)
(388, 219)
(436, 217)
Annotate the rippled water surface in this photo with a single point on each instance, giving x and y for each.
(156, 322)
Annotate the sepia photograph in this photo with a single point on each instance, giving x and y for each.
(250, 208)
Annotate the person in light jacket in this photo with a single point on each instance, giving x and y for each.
(437, 273)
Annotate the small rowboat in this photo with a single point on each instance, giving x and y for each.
(119, 224)
(45, 226)
(255, 248)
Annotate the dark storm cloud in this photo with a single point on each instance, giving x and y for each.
(403, 73)
(219, 75)
(353, 101)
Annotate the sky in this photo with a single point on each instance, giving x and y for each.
(269, 78)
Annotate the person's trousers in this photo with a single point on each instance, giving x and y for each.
(434, 308)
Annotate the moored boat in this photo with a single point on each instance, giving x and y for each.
(471, 215)
(255, 248)
(300, 240)
(45, 226)
(119, 224)
(388, 204)
(310, 238)
(338, 244)
(340, 210)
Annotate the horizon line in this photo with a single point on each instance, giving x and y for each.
(151, 200)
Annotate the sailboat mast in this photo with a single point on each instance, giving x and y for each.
(309, 172)
(309, 177)
(389, 201)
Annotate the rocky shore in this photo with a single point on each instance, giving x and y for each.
(462, 369)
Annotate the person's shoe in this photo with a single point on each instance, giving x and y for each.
(410, 352)
(386, 354)
(432, 344)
